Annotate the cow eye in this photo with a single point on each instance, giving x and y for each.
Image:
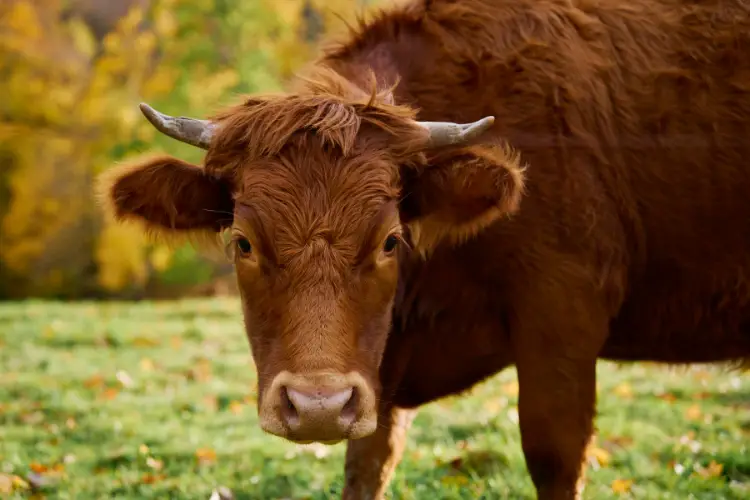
(244, 246)
(390, 244)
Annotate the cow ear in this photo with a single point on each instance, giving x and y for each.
(169, 196)
(458, 193)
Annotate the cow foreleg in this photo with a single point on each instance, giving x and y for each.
(371, 461)
(556, 407)
(556, 354)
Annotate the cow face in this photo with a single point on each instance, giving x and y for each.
(321, 195)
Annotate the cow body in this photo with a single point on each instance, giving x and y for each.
(630, 240)
(634, 121)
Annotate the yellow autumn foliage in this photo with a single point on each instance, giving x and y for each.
(69, 111)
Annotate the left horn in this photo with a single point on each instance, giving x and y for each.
(455, 134)
(192, 131)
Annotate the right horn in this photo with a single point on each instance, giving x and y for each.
(455, 134)
(188, 130)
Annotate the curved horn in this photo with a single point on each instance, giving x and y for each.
(455, 134)
(189, 130)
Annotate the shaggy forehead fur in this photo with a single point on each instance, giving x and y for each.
(315, 168)
(323, 108)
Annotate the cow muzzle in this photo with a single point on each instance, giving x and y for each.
(322, 406)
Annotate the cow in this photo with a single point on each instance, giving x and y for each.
(462, 186)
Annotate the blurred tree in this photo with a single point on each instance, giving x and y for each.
(72, 73)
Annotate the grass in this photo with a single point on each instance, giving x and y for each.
(156, 400)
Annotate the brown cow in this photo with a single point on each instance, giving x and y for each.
(386, 262)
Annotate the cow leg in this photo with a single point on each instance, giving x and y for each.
(556, 405)
(371, 461)
(556, 354)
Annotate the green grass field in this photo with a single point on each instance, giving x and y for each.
(156, 400)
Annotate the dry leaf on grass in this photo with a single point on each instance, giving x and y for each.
(205, 456)
(109, 393)
(152, 478)
(211, 403)
(10, 483)
(200, 371)
(154, 463)
(145, 342)
(95, 381)
(236, 407)
(714, 469)
(693, 412)
(668, 397)
(511, 388)
(600, 456)
(124, 379)
(621, 485)
(624, 390)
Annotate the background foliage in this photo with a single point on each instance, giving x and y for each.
(71, 76)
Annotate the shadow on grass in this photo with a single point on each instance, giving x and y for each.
(482, 462)
(462, 432)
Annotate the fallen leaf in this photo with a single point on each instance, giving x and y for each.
(601, 456)
(175, 342)
(713, 469)
(147, 365)
(694, 412)
(6, 484)
(511, 388)
(205, 456)
(109, 393)
(19, 483)
(621, 441)
(145, 342)
(94, 381)
(38, 468)
(624, 390)
(124, 378)
(201, 371)
(701, 374)
(154, 463)
(668, 397)
(70, 423)
(143, 449)
(151, 478)
(211, 402)
(621, 485)
(33, 418)
(236, 407)
(494, 405)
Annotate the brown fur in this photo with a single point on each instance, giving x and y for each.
(624, 238)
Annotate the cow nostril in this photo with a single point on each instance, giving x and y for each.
(288, 410)
(349, 411)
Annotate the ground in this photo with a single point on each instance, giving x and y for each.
(155, 400)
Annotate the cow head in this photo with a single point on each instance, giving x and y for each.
(323, 192)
